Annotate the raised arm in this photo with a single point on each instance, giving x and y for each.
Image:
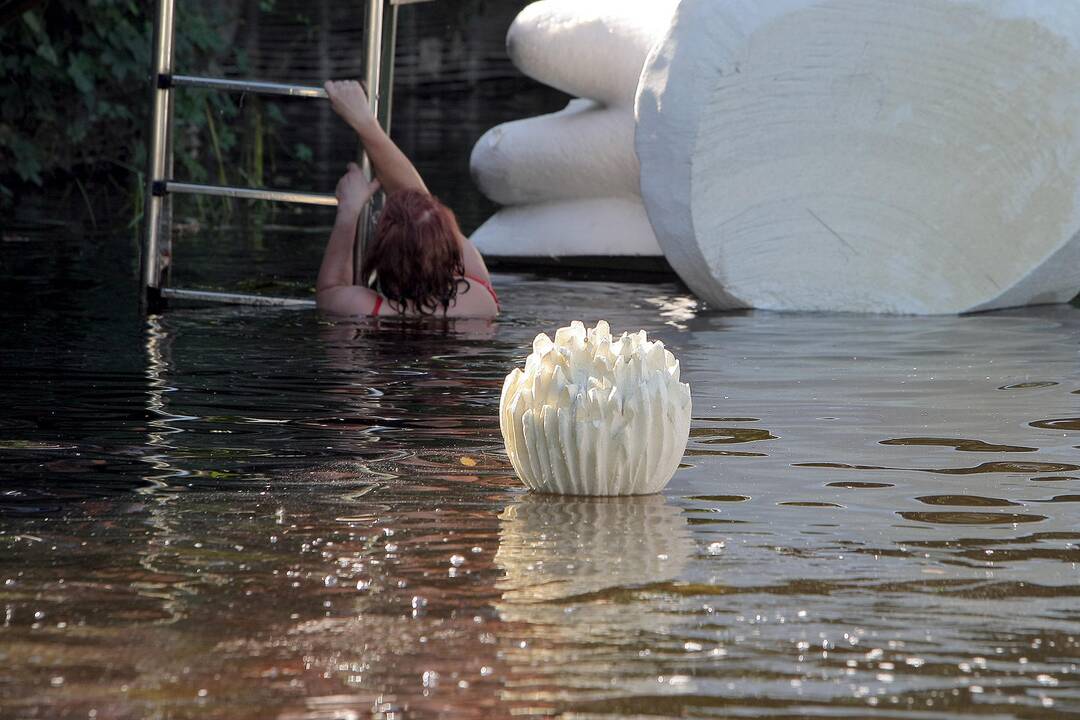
(393, 169)
(334, 289)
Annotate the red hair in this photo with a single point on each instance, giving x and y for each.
(414, 260)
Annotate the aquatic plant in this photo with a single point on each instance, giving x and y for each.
(595, 415)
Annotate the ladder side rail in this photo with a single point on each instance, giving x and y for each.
(381, 36)
(386, 66)
(157, 162)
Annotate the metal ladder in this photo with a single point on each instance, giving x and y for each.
(155, 259)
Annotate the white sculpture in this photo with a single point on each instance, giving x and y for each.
(595, 415)
(872, 155)
(910, 157)
(571, 179)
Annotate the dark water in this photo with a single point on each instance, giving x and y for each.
(229, 513)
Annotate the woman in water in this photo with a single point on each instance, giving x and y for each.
(418, 262)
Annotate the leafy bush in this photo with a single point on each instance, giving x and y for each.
(76, 90)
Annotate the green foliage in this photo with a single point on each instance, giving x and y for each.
(75, 95)
(76, 91)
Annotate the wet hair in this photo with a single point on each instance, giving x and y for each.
(414, 259)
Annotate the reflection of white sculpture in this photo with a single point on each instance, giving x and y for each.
(553, 549)
(595, 415)
(912, 157)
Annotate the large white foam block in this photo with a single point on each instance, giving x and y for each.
(589, 227)
(586, 150)
(866, 155)
(588, 48)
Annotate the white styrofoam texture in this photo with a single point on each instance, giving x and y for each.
(565, 177)
(915, 157)
(588, 48)
(588, 227)
(585, 150)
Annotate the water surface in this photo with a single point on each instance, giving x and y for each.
(230, 513)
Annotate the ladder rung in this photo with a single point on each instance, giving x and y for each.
(251, 193)
(235, 298)
(254, 86)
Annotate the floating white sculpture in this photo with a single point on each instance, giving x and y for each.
(595, 415)
(847, 155)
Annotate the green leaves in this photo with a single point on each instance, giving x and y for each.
(81, 71)
(74, 99)
(303, 152)
(27, 163)
(66, 100)
(44, 48)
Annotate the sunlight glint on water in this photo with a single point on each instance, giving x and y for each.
(263, 514)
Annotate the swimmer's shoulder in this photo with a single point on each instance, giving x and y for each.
(348, 300)
(479, 300)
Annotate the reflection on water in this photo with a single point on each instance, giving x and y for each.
(563, 548)
(229, 513)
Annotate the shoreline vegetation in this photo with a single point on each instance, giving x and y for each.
(73, 108)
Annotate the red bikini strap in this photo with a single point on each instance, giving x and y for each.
(487, 286)
(378, 304)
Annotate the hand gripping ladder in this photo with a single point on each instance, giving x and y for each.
(156, 246)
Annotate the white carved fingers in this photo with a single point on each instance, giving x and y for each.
(570, 180)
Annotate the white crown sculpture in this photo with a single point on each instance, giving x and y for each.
(595, 415)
